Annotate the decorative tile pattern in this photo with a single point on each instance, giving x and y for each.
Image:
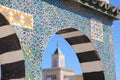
(96, 30)
(17, 18)
(51, 16)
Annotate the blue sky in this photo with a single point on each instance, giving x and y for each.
(117, 47)
(116, 25)
(71, 59)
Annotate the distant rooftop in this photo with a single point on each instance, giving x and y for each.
(58, 50)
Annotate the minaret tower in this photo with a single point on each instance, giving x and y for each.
(58, 58)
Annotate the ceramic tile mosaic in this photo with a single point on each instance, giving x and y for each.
(17, 18)
(96, 30)
(51, 16)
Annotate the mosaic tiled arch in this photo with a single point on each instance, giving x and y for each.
(11, 57)
(52, 15)
(86, 53)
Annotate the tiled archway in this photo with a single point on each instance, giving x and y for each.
(87, 54)
(11, 56)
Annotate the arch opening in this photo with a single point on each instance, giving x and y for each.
(52, 66)
(86, 53)
(11, 57)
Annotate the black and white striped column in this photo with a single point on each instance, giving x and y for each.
(86, 53)
(11, 56)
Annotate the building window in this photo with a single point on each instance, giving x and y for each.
(48, 78)
(66, 78)
(51, 77)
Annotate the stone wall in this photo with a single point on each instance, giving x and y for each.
(76, 77)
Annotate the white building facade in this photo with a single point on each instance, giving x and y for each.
(58, 70)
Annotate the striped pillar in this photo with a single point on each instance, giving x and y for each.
(11, 56)
(86, 53)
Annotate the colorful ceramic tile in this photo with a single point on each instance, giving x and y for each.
(51, 16)
(17, 18)
(96, 30)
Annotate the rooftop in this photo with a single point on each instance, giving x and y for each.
(58, 50)
(101, 6)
